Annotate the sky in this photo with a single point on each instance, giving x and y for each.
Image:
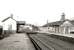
(36, 12)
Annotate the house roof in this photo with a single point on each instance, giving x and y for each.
(58, 23)
(72, 21)
(7, 19)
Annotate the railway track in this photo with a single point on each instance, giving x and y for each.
(47, 43)
(41, 44)
(57, 42)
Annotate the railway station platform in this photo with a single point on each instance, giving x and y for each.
(60, 34)
(16, 42)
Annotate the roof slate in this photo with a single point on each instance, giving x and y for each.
(7, 19)
(58, 23)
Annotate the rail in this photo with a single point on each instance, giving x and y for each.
(34, 43)
(38, 45)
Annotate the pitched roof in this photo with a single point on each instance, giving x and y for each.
(58, 23)
(7, 19)
(72, 21)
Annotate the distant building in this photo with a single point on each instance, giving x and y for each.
(20, 26)
(64, 26)
(44, 29)
(34, 28)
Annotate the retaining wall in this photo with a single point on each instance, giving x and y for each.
(64, 38)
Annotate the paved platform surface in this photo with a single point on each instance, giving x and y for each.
(61, 34)
(16, 42)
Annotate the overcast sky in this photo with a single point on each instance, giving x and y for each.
(37, 11)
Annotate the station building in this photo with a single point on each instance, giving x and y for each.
(9, 24)
(64, 26)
